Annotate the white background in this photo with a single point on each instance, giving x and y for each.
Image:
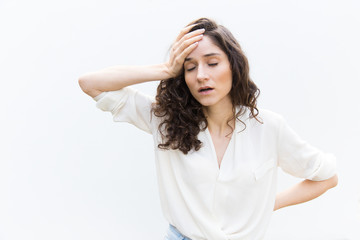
(68, 172)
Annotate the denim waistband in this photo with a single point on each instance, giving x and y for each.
(177, 233)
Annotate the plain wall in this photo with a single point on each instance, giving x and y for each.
(67, 171)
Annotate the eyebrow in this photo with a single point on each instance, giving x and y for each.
(206, 55)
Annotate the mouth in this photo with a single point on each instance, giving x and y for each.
(205, 90)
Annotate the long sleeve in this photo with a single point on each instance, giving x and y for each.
(127, 105)
(300, 159)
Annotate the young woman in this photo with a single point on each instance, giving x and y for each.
(216, 153)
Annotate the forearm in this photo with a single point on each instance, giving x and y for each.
(117, 77)
(303, 192)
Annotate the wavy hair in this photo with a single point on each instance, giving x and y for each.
(182, 116)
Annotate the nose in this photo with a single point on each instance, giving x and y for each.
(201, 73)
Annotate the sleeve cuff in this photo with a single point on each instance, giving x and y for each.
(326, 169)
(112, 100)
(98, 97)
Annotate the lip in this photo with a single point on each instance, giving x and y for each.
(205, 87)
(201, 90)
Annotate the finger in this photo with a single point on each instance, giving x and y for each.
(186, 52)
(187, 43)
(187, 36)
(185, 31)
(193, 33)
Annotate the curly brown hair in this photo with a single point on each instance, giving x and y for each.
(182, 117)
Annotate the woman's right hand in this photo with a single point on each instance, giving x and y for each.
(117, 77)
(184, 44)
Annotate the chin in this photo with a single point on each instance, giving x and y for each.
(206, 104)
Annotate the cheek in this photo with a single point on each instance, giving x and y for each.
(226, 77)
(188, 82)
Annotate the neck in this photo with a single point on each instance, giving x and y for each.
(218, 119)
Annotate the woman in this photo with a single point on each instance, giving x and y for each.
(216, 152)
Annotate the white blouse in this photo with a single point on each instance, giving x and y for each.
(235, 201)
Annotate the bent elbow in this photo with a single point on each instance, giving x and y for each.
(86, 86)
(333, 181)
(83, 83)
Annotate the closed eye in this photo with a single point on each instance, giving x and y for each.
(210, 64)
(190, 69)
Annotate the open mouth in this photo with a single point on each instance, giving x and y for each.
(205, 89)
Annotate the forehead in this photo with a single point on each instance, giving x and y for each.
(206, 46)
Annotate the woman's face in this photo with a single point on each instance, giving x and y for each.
(208, 74)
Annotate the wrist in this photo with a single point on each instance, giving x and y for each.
(167, 71)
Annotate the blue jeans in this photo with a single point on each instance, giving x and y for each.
(174, 234)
